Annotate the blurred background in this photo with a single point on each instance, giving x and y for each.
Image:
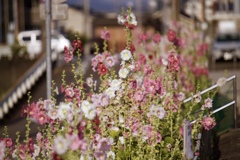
(23, 34)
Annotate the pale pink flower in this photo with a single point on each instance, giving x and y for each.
(48, 103)
(181, 96)
(198, 97)
(109, 61)
(103, 145)
(208, 103)
(100, 155)
(2, 150)
(147, 132)
(75, 142)
(138, 96)
(52, 113)
(104, 99)
(208, 123)
(105, 34)
(160, 112)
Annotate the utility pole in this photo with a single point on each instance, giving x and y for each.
(175, 9)
(139, 12)
(48, 47)
(16, 21)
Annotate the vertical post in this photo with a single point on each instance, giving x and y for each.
(16, 21)
(48, 48)
(235, 98)
(86, 9)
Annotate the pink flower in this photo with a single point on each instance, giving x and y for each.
(68, 54)
(41, 118)
(77, 44)
(208, 123)
(83, 145)
(171, 35)
(156, 38)
(69, 92)
(105, 34)
(142, 38)
(142, 59)
(8, 142)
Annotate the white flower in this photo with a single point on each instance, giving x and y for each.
(86, 106)
(86, 157)
(221, 81)
(60, 145)
(110, 92)
(164, 62)
(63, 110)
(121, 119)
(114, 129)
(132, 19)
(91, 114)
(131, 67)
(116, 84)
(126, 55)
(123, 72)
(121, 139)
(121, 19)
(36, 150)
(111, 154)
(52, 113)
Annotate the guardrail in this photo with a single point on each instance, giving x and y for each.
(23, 84)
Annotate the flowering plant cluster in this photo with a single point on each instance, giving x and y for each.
(133, 112)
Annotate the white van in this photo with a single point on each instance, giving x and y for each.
(32, 41)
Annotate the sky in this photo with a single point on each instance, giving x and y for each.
(110, 5)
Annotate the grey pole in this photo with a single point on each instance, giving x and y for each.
(235, 99)
(48, 48)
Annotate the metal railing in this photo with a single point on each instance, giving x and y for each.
(234, 102)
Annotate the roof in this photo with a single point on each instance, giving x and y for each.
(106, 6)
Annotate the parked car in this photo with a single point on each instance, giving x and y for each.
(227, 41)
(33, 42)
